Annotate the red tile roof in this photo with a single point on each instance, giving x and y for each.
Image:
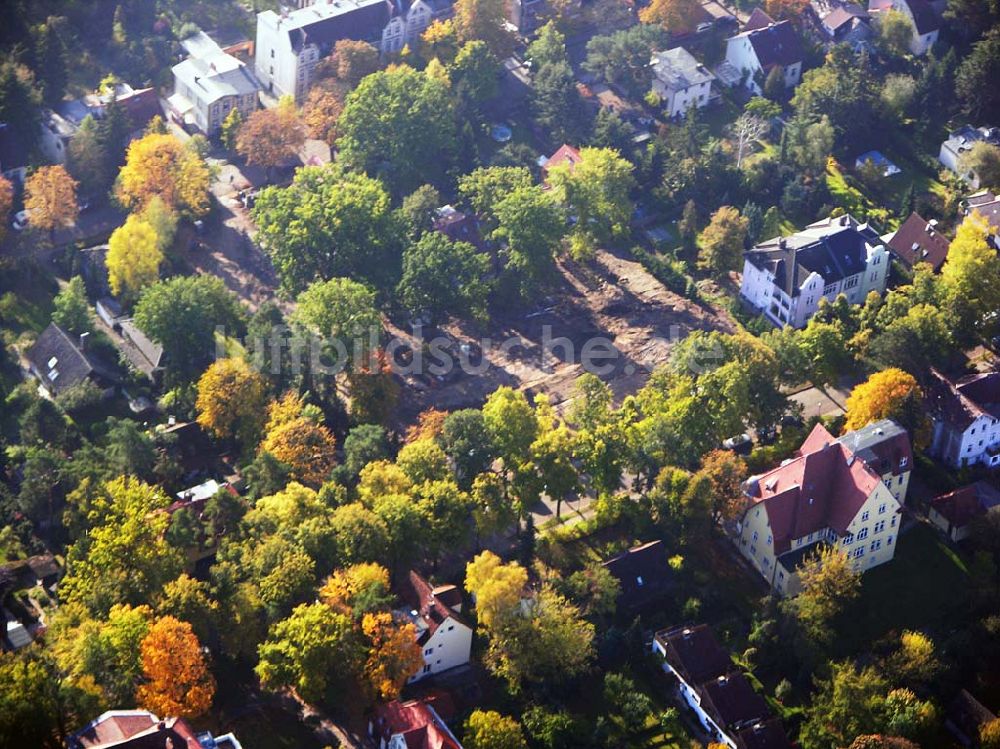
(758, 20)
(418, 594)
(135, 729)
(417, 722)
(824, 487)
(918, 241)
(964, 505)
(565, 155)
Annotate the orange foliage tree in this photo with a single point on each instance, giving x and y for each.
(158, 164)
(178, 682)
(889, 394)
(6, 203)
(271, 137)
(786, 10)
(232, 399)
(393, 656)
(307, 447)
(322, 110)
(50, 198)
(676, 16)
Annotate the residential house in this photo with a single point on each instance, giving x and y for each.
(458, 226)
(60, 361)
(984, 206)
(209, 84)
(13, 156)
(417, 724)
(847, 493)
(955, 511)
(565, 154)
(758, 19)
(924, 19)
(643, 574)
(719, 695)
(142, 354)
(291, 43)
(785, 277)
(442, 633)
(844, 21)
(680, 81)
(141, 729)
(755, 53)
(526, 15)
(966, 416)
(919, 241)
(959, 142)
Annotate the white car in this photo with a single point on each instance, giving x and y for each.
(20, 220)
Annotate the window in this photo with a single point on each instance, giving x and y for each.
(862, 534)
(888, 541)
(888, 485)
(903, 462)
(427, 668)
(451, 627)
(864, 516)
(879, 526)
(768, 539)
(429, 651)
(893, 522)
(848, 539)
(859, 552)
(638, 580)
(272, 54)
(881, 507)
(900, 482)
(755, 536)
(876, 545)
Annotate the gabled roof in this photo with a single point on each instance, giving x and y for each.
(142, 353)
(841, 16)
(60, 362)
(565, 154)
(135, 729)
(766, 734)
(919, 241)
(776, 44)
(958, 403)
(964, 505)
(695, 653)
(429, 607)
(643, 572)
(835, 248)
(759, 19)
(326, 23)
(678, 69)
(986, 205)
(416, 722)
(924, 18)
(826, 485)
(733, 701)
(883, 445)
(141, 106)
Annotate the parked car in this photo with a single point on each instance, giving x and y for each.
(741, 444)
(20, 221)
(767, 435)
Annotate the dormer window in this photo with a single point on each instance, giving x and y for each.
(638, 581)
(903, 462)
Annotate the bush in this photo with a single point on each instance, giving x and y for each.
(79, 397)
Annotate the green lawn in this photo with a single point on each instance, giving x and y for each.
(920, 588)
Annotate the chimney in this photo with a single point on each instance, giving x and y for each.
(782, 243)
(83, 341)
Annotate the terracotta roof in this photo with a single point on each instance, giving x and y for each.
(919, 241)
(824, 487)
(643, 572)
(695, 653)
(566, 154)
(733, 701)
(964, 505)
(758, 20)
(418, 724)
(767, 734)
(141, 106)
(959, 403)
(135, 729)
(431, 610)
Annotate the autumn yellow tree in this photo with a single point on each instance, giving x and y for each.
(177, 679)
(50, 198)
(393, 654)
(232, 401)
(159, 164)
(786, 10)
(272, 137)
(133, 258)
(307, 447)
(484, 20)
(498, 588)
(440, 41)
(676, 16)
(358, 589)
(889, 394)
(829, 583)
(6, 203)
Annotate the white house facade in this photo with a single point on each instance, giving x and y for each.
(444, 637)
(925, 22)
(959, 143)
(755, 53)
(966, 416)
(680, 81)
(290, 44)
(847, 493)
(785, 277)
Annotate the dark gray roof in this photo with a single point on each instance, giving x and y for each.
(778, 44)
(924, 17)
(835, 249)
(142, 353)
(326, 24)
(12, 155)
(59, 362)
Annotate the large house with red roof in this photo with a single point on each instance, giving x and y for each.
(846, 492)
(416, 724)
(141, 729)
(443, 635)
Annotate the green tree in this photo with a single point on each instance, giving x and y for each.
(87, 157)
(622, 57)
(339, 308)
(467, 444)
(419, 209)
(722, 241)
(532, 225)
(329, 222)
(443, 277)
(51, 58)
(20, 98)
(828, 585)
(399, 125)
(983, 160)
(475, 71)
(895, 30)
(72, 311)
(848, 704)
(488, 729)
(231, 128)
(364, 444)
(548, 47)
(966, 281)
(361, 534)
(973, 80)
(510, 423)
(556, 102)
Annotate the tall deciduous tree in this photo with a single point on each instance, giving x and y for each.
(272, 137)
(177, 679)
(6, 203)
(488, 729)
(983, 160)
(889, 394)
(355, 60)
(308, 448)
(484, 20)
(329, 222)
(87, 157)
(498, 588)
(134, 258)
(72, 312)
(967, 276)
(50, 198)
(394, 655)
(159, 164)
(829, 584)
(232, 401)
(721, 243)
(676, 16)
(321, 112)
(444, 277)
